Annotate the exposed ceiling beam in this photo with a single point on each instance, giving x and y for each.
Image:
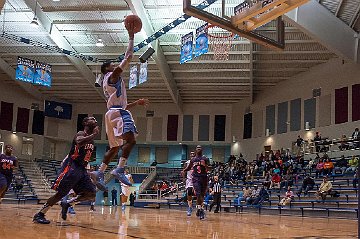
(29, 88)
(319, 23)
(355, 17)
(60, 41)
(338, 8)
(138, 8)
(93, 21)
(89, 8)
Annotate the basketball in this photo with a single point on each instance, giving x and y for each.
(133, 22)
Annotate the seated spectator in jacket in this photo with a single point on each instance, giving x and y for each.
(324, 189)
(276, 169)
(328, 167)
(307, 185)
(353, 164)
(239, 198)
(254, 194)
(356, 137)
(341, 164)
(275, 181)
(319, 168)
(289, 196)
(263, 195)
(343, 143)
(287, 180)
(317, 140)
(247, 193)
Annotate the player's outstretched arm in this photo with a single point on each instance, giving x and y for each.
(126, 61)
(81, 138)
(143, 102)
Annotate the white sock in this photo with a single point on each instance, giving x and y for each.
(103, 167)
(122, 162)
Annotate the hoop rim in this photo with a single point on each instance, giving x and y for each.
(230, 35)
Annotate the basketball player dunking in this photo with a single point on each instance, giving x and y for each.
(199, 164)
(7, 164)
(73, 173)
(189, 185)
(119, 122)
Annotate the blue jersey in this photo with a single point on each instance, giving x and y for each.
(81, 154)
(7, 164)
(200, 166)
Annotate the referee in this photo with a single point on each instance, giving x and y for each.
(215, 189)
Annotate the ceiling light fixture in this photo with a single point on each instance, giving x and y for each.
(34, 22)
(99, 43)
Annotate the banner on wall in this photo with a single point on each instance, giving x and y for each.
(133, 77)
(25, 70)
(58, 110)
(201, 45)
(186, 47)
(43, 74)
(143, 73)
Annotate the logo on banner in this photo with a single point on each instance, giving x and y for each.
(186, 48)
(133, 77)
(25, 70)
(143, 72)
(58, 110)
(202, 44)
(43, 74)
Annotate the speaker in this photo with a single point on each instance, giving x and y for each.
(145, 56)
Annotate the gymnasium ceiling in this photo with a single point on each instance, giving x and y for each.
(77, 25)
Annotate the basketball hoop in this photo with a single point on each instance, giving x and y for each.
(220, 42)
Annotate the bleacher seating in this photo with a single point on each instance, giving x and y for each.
(346, 205)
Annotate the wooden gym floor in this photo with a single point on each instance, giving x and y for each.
(107, 222)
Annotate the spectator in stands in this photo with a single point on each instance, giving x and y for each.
(239, 198)
(164, 186)
(263, 195)
(343, 143)
(289, 196)
(341, 164)
(356, 179)
(319, 168)
(324, 189)
(328, 167)
(299, 142)
(19, 183)
(309, 167)
(254, 195)
(307, 185)
(353, 164)
(132, 198)
(317, 140)
(277, 169)
(356, 137)
(106, 196)
(267, 180)
(247, 193)
(287, 180)
(275, 181)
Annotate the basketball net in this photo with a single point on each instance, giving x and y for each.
(220, 42)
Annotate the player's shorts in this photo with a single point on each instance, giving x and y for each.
(200, 185)
(190, 191)
(125, 190)
(5, 181)
(73, 176)
(117, 123)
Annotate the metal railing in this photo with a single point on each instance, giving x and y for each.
(146, 182)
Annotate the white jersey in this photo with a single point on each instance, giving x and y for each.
(189, 177)
(115, 93)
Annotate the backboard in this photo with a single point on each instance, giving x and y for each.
(222, 14)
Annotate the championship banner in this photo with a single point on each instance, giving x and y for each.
(43, 74)
(143, 72)
(133, 77)
(25, 70)
(186, 48)
(202, 44)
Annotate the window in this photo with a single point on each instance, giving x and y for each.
(144, 154)
(218, 154)
(161, 154)
(27, 146)
(52, 152)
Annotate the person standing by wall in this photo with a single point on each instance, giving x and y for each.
(114, 196)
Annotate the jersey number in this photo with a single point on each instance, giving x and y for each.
(6, 166)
